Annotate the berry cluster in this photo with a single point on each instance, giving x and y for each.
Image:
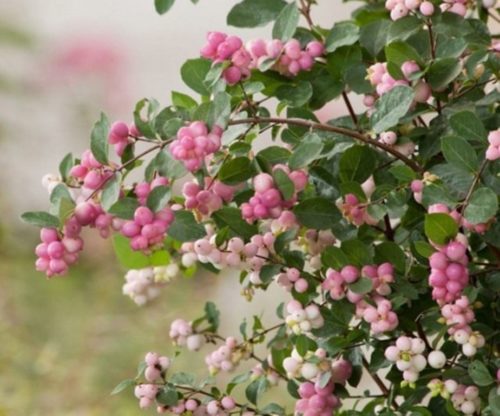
(407, 353)
(469, 340)
(120, 136)
(182, 334)
(145, 284)
(156, 366)
(449, 274)
(147, 229)
(356, 211)
(267, 201)
(464, 398)
(493, 151)
(146, 393)
(401, 8)
(381, 79)
(194, 143)
(208, 200)
(302, 320)
(310, 367)
(289, 58)
(316, 400)
(54, 253)
(291, 279)
(234, 253)
(196, 408)
(225, 358)
(143, 189)
(90, 173)
(378, 314)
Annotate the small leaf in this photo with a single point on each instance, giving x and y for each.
(231, 217)
(399, 52)
(127, 257)
(440, 228)
(391, 107)
(391, 252)
(255, 389)
(65, 166)
(124, 208)
(317, 213)
(99, 140)
(362, 285)
(254, 13)
(482, 206)
(220, 110)
(158, 198)
(41, 219)
(122, 386)
(306, 152)
(194, 72)
(342, 34)
(302, 345)
(284, 184)
(287, 22)
(181, 100)
(163, 6)
(111, 192)
(357, 164)
(167, 396)
(468, 126)
(236, 170)
(480, 374)
(460, 153)
(442, 72)
(185, 228)
(295, 95)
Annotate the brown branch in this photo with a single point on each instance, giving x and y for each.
(351, 110)
(333, 129)
(476, 180)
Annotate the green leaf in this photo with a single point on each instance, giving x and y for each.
(163, 6)
(256, 389)
(440, 228)
(194, 72)
(231, 217)
(284, 184)
(220, 110)
(442, 72)
(236, 170)
(254, 13)
(183, 379)
(274, 155)
(391, 252)
(342, 34)
(41, 219)
(480, 374)
(399, 52)
(494, 401)
(403, 28)
(317, 213)
(362, 285)
(373, 36)
(111, 191)
(127, 257)
(287, 22)
(483, 205)
(158, 198)
(391, 107)
(302, 345)
(460, 153)
(357, 164)
(65, 166)
(295, 95)
(99, 140)
(181, 100)
(122, 386)
(359, 254)
(185, 228)
(167, 396)
(468, 126)
(334, 257)
(124, 208)
(306, 152)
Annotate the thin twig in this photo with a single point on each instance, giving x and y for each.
(339, 130)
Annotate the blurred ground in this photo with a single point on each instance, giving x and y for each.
(65, 343)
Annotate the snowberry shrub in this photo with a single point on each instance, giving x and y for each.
(381, 227)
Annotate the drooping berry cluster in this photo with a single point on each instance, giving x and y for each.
(288, 58)
(401, 8)
(464, 398)
(208, 199)
(225, 358)
(268, 201)
(145, 284)
(90, 173)
(316, 400)
(302, 320)
(194, 143)
(182, 334)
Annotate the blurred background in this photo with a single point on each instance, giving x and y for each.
(65, 343)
